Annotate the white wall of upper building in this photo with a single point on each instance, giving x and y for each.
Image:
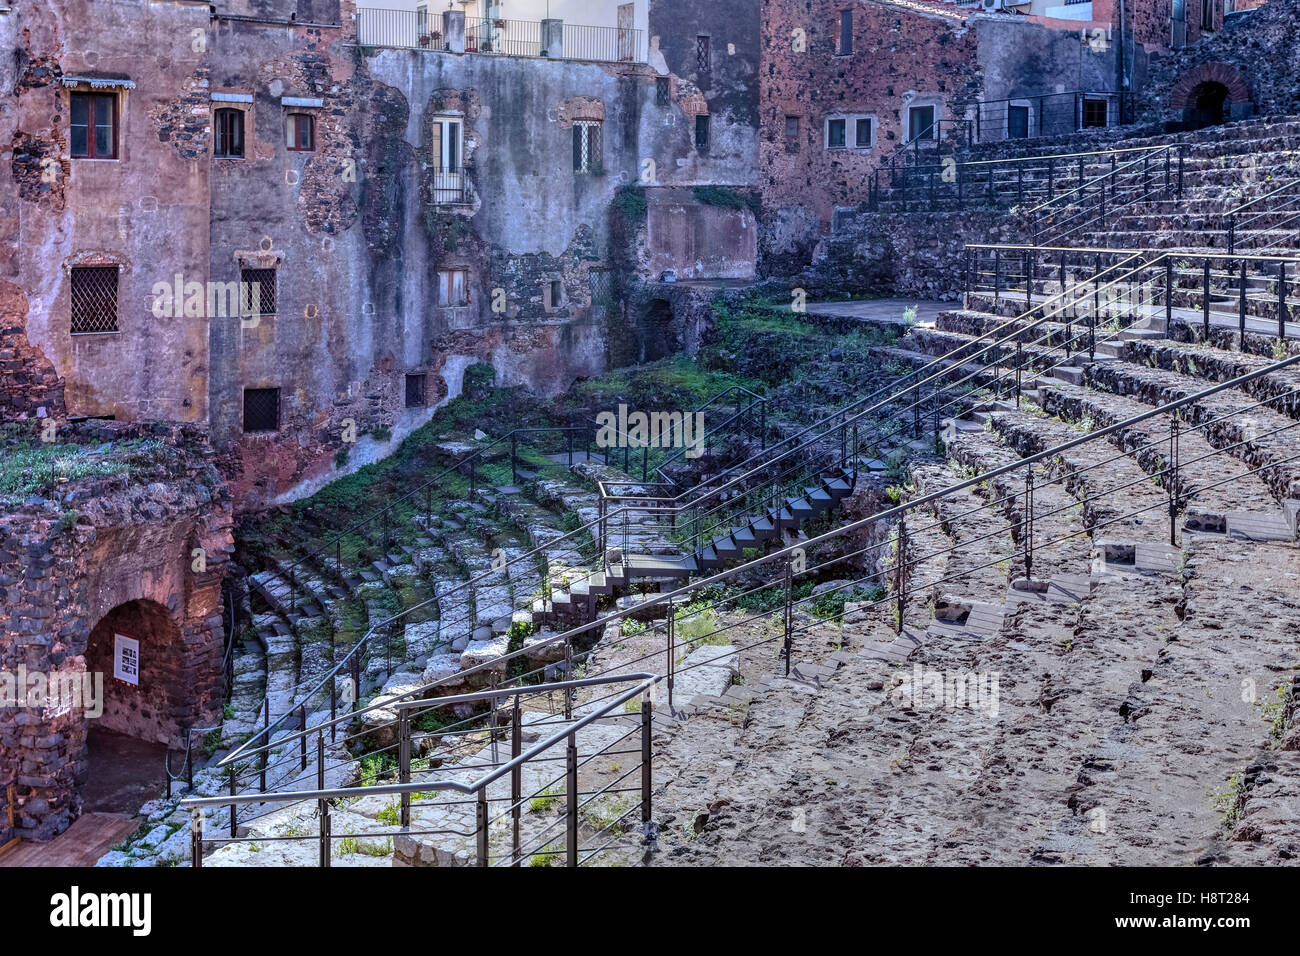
(590, 13)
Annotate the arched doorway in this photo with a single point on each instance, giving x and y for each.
(1208, 105)
(1209, 94)
(137, 651)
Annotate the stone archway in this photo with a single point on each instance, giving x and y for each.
(138, 652)
(1210, 94)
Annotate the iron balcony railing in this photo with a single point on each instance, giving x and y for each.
(450, 186)
(1051, 114)
(495, 36)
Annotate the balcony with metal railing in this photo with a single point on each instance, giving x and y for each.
(452, 32)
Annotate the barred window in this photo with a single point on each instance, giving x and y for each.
(703, 60)
(228, 134)
(663, 91)
(415, 390)
(257, 291)
(586, 147)
(94, 299)
(702, 134)
(261, 410)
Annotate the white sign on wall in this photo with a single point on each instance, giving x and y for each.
(126, 659)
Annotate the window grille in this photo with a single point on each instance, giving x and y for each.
(94, 299)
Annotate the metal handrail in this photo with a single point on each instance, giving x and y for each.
(644, 682)
(679, 595)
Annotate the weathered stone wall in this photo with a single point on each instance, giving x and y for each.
(145, 213)
(142, 551)
(1254, 55)
(917, 254)
(899, 57)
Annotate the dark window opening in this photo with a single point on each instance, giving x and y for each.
(835, 134)
(792, 127)
(703, 60)
(94, 299)
(415, 390)
(920, 123)
(257, 288)
(663, 91)
(862, 134)
(702, 134)
(93, 133)
(846, 31)
(1207, 16)
(1094, 113)
(228, 134)
(300, 131)
(1017, 122)
(261, 410)
(556, 292)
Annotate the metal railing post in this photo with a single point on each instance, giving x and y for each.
(672, 652)
(788, 617)
(1169, 293)
(1029, 523)
(571, 800)
(481, 827)
(647, 728)
(196, 838)
(266, 739)
(516, 779)
(233, 788)
(404, 761)
(514, 458)
(1281, 302)
(1172, 478)
(1241, 308)
(900, 576)
(1205, 300)
(568, 676)
(323, 806)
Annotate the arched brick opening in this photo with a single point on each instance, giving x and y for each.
(139, 650)
(1211, 93)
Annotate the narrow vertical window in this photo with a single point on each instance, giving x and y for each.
(703, 60)
(702, 134)
(862, 133)
(415, 390)
(300, 131)
(228, 134)
(846, 31)
(452, 288)
(586, 146)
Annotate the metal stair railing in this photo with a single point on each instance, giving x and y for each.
(1170, 475)
(976, 182)
(412, 795)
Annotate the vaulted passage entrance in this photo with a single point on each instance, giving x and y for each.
(1209, 101)
(137, 648)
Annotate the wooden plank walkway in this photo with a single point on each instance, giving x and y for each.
(89, 838)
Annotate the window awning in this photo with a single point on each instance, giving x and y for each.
(99, 82)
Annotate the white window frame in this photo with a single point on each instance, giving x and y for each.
(850, 132)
